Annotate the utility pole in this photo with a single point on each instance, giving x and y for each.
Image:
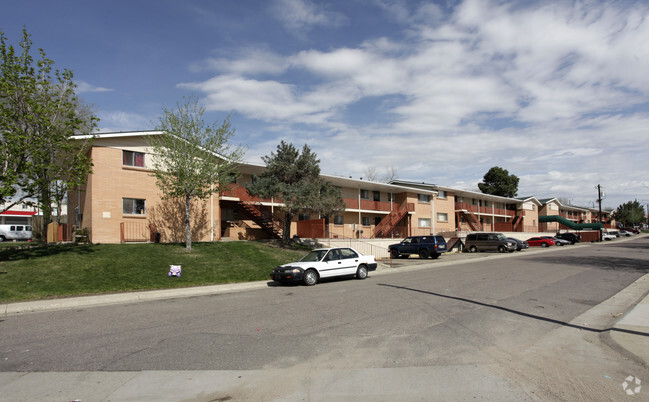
(599, 201)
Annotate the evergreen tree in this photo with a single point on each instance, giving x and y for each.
(294, 178)
(498, 181)
(630, 213)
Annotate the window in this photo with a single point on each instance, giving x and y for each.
(365, 194)
(442, 217)
(132, 158)
(424, 222)
(390, 197)
(424, 197)
(303, 217)
(133, 206)
(376, 195)
(441, 194)
(365, 221)
(338, 220)
(347, 253)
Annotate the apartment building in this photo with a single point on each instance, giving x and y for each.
(121, 203)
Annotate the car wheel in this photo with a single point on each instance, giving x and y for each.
(2, 238)
(310, 277)
(361, 272)
(423, 254)
(473, 249)
(501, 249)
(435, 256)
(544, 244)
(394, 253)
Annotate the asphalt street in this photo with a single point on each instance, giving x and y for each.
(470, 326)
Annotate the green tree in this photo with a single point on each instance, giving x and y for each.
(498, 181)
(193, 159)
(630, 213)
(39, 119)
(294, 178)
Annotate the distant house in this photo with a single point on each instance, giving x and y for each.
(19, 214)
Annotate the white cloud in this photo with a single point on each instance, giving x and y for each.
(304, 14)
(245, 61)
(84, 87)
(113, 121)
(552, 90)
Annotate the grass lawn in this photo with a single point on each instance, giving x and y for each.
(43, 272)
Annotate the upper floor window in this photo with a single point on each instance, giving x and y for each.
(424, 197)
(391, 197)
(132, 158)
(376, 195)
(365, 194)
(133, 206)
(441, 194)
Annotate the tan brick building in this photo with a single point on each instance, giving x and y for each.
(121, 203)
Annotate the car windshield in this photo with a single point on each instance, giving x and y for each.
(501, 237)
(315, 255)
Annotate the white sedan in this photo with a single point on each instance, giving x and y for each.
(325, 263)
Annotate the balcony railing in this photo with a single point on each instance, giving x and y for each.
(242, 194)
(476, 209)
(386, 206)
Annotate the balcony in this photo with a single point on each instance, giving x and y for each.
(484, 210)
(352, 203)
(242, 194)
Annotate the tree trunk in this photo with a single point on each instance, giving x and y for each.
(46, 211)
(286, 233)
(188, 229)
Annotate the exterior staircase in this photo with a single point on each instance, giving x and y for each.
(268, 225)
(472, 220)
(516, 223)
(395, 216)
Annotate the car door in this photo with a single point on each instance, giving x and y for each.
(413, 246)
(350, 260)
(331, 264)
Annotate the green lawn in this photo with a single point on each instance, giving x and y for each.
(66, 270)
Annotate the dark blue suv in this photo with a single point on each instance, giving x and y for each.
(423, 246)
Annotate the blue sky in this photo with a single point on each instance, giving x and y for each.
(556, 92)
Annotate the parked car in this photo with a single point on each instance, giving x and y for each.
(423, 246)
(626, 233)
(520, 244)
(540, 241)
(615, 233)
(608, 236)
(15, 232)
(571, 237)
(557, 241)
(489, 242)
(325, 263)
(632, 230)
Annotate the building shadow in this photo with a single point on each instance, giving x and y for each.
(516, 312)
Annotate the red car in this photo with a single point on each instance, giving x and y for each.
(540, 241)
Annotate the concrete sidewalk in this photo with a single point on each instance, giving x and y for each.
(629, 334)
